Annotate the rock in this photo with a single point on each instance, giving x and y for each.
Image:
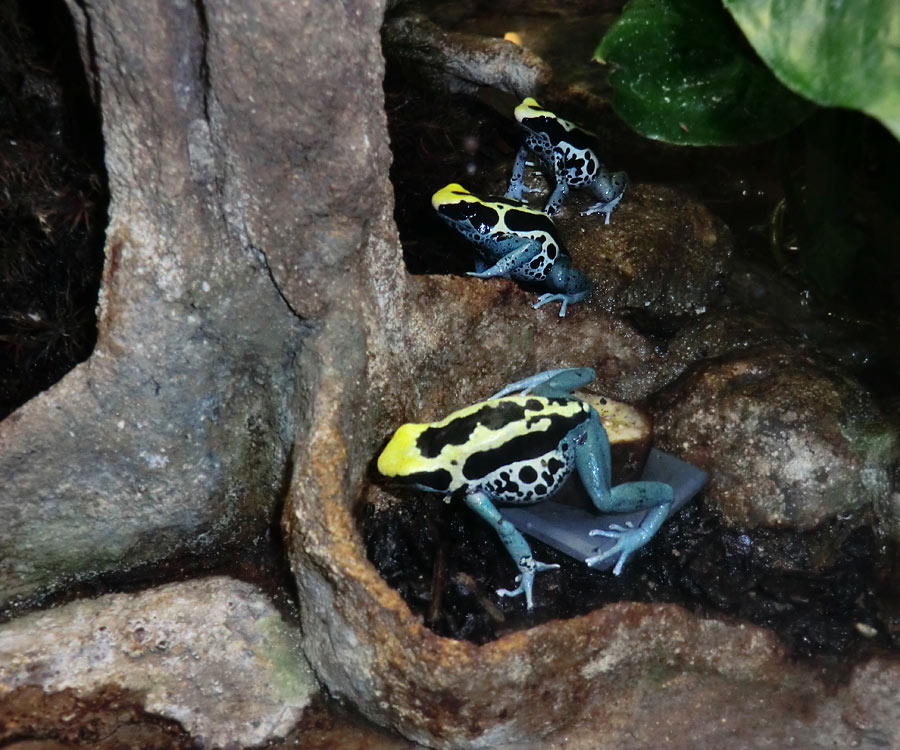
(106, 719)
(212, 654)
(172, 439)
(787, 438)
(661, 259)
(461, 62)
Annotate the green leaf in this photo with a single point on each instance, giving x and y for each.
(843, 53)
(683, 73)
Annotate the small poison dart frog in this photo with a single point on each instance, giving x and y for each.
(514, 242)
(519, 449)
(571, 154)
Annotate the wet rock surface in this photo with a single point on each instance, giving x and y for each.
(787, 438)
(107, 719)
(212, 654)
(460, 62)
(171, 439)
(660, 260)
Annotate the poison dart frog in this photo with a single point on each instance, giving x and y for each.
(518, 447)
(570, 153)
(514, 242)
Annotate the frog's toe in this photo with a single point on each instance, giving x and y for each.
(613, 531)
(627, 541)
(611, 552)
(526, 582)
(598, 209)
(603, 207)
(551, 297)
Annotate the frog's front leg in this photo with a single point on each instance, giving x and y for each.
(592, 460)
(515, 544)
(519, 256)
(555, 201)
(517, 180)
(550, 382)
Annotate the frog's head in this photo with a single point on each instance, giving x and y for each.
(533, 117)
(403, 461)
(464, 211)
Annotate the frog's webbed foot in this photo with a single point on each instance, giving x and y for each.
(603, 208)
(627, 541)
(552, 297)
(485, 274)
(526, 582)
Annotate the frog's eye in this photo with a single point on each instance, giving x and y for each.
(481, 216)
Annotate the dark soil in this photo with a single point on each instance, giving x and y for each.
(53, 200)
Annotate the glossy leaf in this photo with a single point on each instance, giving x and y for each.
(683, 73)
(842, 53)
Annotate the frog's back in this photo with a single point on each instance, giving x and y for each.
(518, 449)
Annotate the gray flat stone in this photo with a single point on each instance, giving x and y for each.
(567, 528)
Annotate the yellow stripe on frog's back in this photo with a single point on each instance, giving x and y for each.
(447, 443)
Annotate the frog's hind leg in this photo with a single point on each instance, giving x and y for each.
(608, 189)
(634, 496)
(602, 208)
(515, 544)
(566, 300)
(594, 466)
(520, 256)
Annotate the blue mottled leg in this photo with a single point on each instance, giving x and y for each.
(562, 188)
(551, 382)
(608, 189)
(593, 463)
(594, 466)
(515, 544)
(520, 256)
(517, 181)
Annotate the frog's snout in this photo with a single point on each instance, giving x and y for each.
(400, 452)
(452, 193)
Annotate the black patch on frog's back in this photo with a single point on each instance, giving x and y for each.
(483, 218)
(523, 447)
(577, 137)
(492, 415)
(527, 221)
